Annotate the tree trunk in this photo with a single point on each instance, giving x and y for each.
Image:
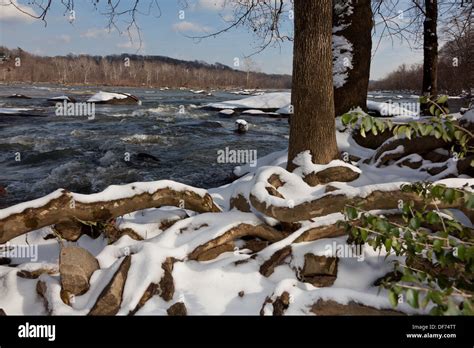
(312, 124)
(430, 51)
(357, 29)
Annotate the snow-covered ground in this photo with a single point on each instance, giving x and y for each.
(231, 283)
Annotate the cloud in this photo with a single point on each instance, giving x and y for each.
(9, 13)
(190, 26)
(95, 33)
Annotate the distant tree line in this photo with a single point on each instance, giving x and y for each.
(17, 65)
(455, 70)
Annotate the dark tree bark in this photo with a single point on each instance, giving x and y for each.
(312, 123)
(430, 51)
(357, 29)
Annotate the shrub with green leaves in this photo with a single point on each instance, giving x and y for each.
(438, 249)
(441, 126)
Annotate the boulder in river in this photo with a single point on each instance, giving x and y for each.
(18, 96)
(114, 98)
(61, 99)
(241, 126)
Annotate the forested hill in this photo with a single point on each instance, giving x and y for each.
(17, 65)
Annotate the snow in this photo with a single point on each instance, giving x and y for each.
(61, 97)
(267, 101)
(468, 116)
(12, 111)
(242, 122)
(19, 208)
(389, 109)
(227, 112)
(106, 96)
(115, 192)
(213, 287)
(254, 112)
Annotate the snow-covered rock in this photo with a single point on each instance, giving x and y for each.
(390, 109)
(113, 98)
(267, 101)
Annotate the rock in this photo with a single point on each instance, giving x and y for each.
(331, 307)
(18, 96)
(76, 266)
(110, 299)
(241, 126)
(178, 309)
(2, 312)
(61, 99)
(114, 99)
(226, 113)
(319, 265)
(147, 157)
(343, 174)
(321, 271)
(70, 230)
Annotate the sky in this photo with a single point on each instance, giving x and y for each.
(164, 32)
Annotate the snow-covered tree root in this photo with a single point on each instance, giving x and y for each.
(217, 246)
(61, 205)
(395, 148)
(333, 203)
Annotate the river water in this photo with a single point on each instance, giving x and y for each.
(40, 152)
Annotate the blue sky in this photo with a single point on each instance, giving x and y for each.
(164, 35)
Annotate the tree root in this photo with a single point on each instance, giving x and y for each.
(333, 203)
(388, 150)
(65, 208)
(203, 252)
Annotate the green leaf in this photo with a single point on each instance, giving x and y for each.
(442, 99)
(432, 218)
(346, 119)
(363, 235)
(392, 297)
(449, 195)
(432, 109)
(351, 213)
(415, 223)
(412, 298)
(437, 245)
(461, 252)
(388, 244)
